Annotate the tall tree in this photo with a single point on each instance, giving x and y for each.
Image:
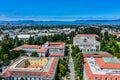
(34, 54)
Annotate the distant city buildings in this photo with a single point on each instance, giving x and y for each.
(22, 36)
(87, 42)
(32, 68)
(25, 34)
(1, 37)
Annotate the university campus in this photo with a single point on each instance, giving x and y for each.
(59, 40)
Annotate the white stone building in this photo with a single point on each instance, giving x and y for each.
(86, 42)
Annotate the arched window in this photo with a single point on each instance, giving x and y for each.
(96, 78)
(85, 40)
(100, 78)
(105, 78)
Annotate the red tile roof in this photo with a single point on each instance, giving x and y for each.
(56, 55)
(92, 76)
(30, 46)
(118, 35)
(42, 50)
(56, 44)
(43, 74)
(94, 35)
(103, 64)
(7, 73)
(17, 49)
(97, 55)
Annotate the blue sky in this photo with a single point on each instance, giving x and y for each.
(59, 9)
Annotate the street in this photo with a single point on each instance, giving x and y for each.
(71, 65)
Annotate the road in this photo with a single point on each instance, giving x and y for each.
(71, 65)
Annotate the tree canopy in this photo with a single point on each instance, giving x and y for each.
(34, 54)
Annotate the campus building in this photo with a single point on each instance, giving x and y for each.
(56, 49)
(52, 49)
(32, 68)
(105, 68)
(42, 52)
(87, 42)
(96, 54)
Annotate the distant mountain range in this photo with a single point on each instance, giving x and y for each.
(117, 21)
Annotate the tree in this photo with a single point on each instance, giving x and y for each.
(1, 78)
(17, 42)
(106, 37)
(91, 30)
(75, 51)
(22, 52)
(14, 54)
(62, 69)
(117, 55)
(5, 48)
(5, 56)
(31, 40)
(79, 65)
(34, 54)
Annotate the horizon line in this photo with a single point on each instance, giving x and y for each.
(54, 19)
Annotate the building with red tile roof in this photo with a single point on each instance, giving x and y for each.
(53, 49)
(30, 46)
(118, 35)
(92, 35)
(33, 48)
(97, 54)
(56, 49)
(101, 68)
(43, 52)
(15, 72)
(17, 49)
(87, 42)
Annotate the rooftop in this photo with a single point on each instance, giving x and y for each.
(108, 63)
(17, 48)
(118, 35)
(94, 69)
(111, 60)
(57, 55)
(97, 54)
(42, 50)
(47, 70)
(55, 44)
(30, 46)
(91, 35)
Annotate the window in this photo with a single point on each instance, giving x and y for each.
(85, 40)
(101, 78)
(105, 78)
(96, 78)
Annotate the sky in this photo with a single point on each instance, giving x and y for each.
(59, 9)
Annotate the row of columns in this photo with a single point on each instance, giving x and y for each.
(88, 50)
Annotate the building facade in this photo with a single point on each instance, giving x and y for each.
(102, 68)
(87, 42)
(32, 68)
(56, 49)
(52, 49)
